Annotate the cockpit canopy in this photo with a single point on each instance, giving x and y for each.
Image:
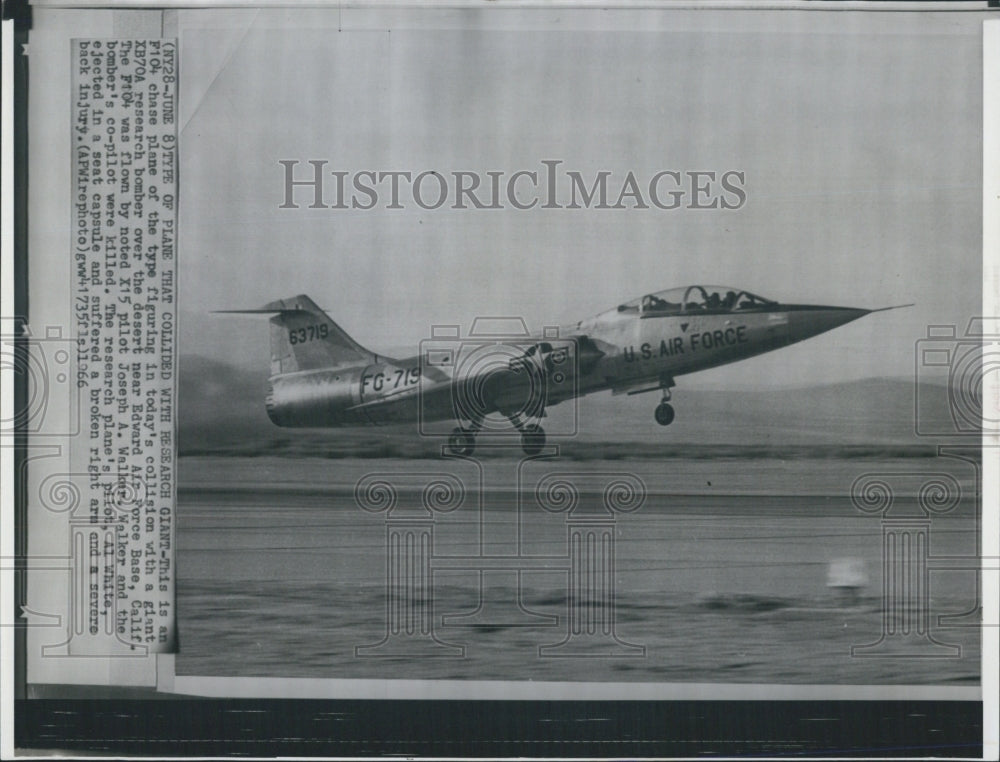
(689, 299)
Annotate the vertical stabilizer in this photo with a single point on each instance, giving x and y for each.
(303, 337)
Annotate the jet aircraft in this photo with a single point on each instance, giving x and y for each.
(321, 377)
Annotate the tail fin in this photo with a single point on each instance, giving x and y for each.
(303, 337)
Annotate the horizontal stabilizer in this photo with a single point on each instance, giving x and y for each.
(303, 337)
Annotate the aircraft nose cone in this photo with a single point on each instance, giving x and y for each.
(811, 321)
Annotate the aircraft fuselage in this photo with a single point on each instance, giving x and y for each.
(630, 349)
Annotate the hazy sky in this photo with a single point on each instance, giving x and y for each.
(859, 135)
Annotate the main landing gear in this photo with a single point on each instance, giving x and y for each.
(462, 441)
(664, 413)
(532, 438)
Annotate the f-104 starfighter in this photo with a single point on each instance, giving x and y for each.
(321, 377)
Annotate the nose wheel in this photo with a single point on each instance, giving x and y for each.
(664, 413)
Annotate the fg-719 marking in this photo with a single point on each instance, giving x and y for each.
(390, 380)
(321, 377)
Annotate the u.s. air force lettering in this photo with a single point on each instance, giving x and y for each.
(675, 345)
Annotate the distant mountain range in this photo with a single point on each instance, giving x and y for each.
(221, 411)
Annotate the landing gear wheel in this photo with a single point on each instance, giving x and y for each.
(664, 414)
(461, 442)
(532, 439)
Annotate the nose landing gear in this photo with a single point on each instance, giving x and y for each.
(664, 413)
